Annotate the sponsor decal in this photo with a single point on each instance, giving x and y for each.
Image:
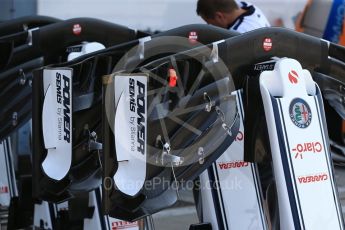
(267, 44)
(293, 77)
(58, 88)
(310, 147)
(193, 37)
(313, 178)
(3, 189)
(63, 97)
(72, 49)
(123, 225)
(141, 120)
(234, 164)
(137, 106)
(264, 67)
(77, 29)
(300, 113)
(132, 101)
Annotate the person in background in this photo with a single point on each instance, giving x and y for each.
(230, 14)
(241, 17)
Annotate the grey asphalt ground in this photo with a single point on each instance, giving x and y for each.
(175, 219)
(179, 217)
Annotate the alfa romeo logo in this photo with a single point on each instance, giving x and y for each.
(300, 113)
